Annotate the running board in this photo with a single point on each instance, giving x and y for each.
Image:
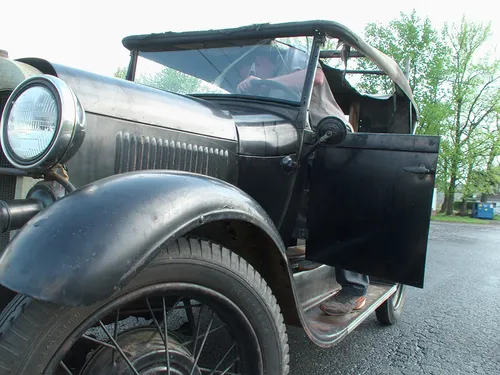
(315, 286)
(330, 328)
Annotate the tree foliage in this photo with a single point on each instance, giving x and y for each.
(413, 38)
(171, 80)
(166, 79)
(455, 83)
(474, 100)
(121, 73)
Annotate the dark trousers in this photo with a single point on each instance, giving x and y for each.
(352, 282)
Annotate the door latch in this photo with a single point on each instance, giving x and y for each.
(421, 170)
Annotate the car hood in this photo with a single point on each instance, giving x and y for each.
(119, 98)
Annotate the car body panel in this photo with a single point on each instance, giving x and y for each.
(125, 146)
(369, 211)
(119, 98)
(266, 135)
(86, 246)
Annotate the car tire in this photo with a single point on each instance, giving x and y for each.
(32, 331)
(390, 311)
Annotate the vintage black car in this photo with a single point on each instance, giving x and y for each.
(153, 224)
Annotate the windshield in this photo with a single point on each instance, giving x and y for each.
(226, 70)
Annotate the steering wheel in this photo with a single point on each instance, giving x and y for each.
(260, 84)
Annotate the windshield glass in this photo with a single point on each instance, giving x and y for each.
(230, 69)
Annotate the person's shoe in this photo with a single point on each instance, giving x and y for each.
(307, 265)
(342, 304)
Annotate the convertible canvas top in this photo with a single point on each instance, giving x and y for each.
(172, 41)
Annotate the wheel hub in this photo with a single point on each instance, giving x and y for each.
(145, 349)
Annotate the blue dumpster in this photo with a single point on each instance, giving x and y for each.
(482, 210)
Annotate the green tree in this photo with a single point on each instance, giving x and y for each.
(167, 79)
(455, 85)
(171, 80)
(489, 181)
(472, 167)
(474, 98)
(121, 73)
(413, 38)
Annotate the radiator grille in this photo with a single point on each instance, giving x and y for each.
(138, 152)
(7, 183)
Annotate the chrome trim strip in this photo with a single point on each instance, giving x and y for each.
(370, 309)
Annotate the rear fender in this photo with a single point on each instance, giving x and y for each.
(91, 243)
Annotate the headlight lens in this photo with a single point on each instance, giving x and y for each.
(43, 124)
(32, 123)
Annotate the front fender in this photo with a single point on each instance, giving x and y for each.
(89, 244)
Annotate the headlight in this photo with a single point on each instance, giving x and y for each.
(42, 124)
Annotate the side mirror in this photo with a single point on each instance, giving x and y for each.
(334, 129)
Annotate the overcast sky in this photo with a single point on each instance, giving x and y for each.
(87, 34)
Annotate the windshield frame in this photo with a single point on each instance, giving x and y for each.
(212, 71)
(332, 29)
(302, 121)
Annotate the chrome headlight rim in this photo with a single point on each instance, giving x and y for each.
(69, 132)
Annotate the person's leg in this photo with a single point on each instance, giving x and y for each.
(352, 282)
(351, 297)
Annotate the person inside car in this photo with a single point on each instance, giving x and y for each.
(290, 70)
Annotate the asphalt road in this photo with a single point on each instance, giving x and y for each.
(452, 326)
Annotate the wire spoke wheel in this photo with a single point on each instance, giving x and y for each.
(196, 309)
(174, 329)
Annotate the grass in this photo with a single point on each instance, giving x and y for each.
(462, 219)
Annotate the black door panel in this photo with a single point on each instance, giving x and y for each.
(370, 205)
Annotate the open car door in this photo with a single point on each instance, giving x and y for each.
(370, 205)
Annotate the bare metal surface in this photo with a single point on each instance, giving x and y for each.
(266, 135)
(331, 326)
(12, 73)
(313, 286)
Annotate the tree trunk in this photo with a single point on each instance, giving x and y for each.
(451, 194)
(491, 158)
(463, 208)
(449, 204)
(444, 205)
(456, 152)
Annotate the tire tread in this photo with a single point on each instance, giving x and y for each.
(24, 317)
(240, 266)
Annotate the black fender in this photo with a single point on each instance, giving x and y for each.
(89, 244)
